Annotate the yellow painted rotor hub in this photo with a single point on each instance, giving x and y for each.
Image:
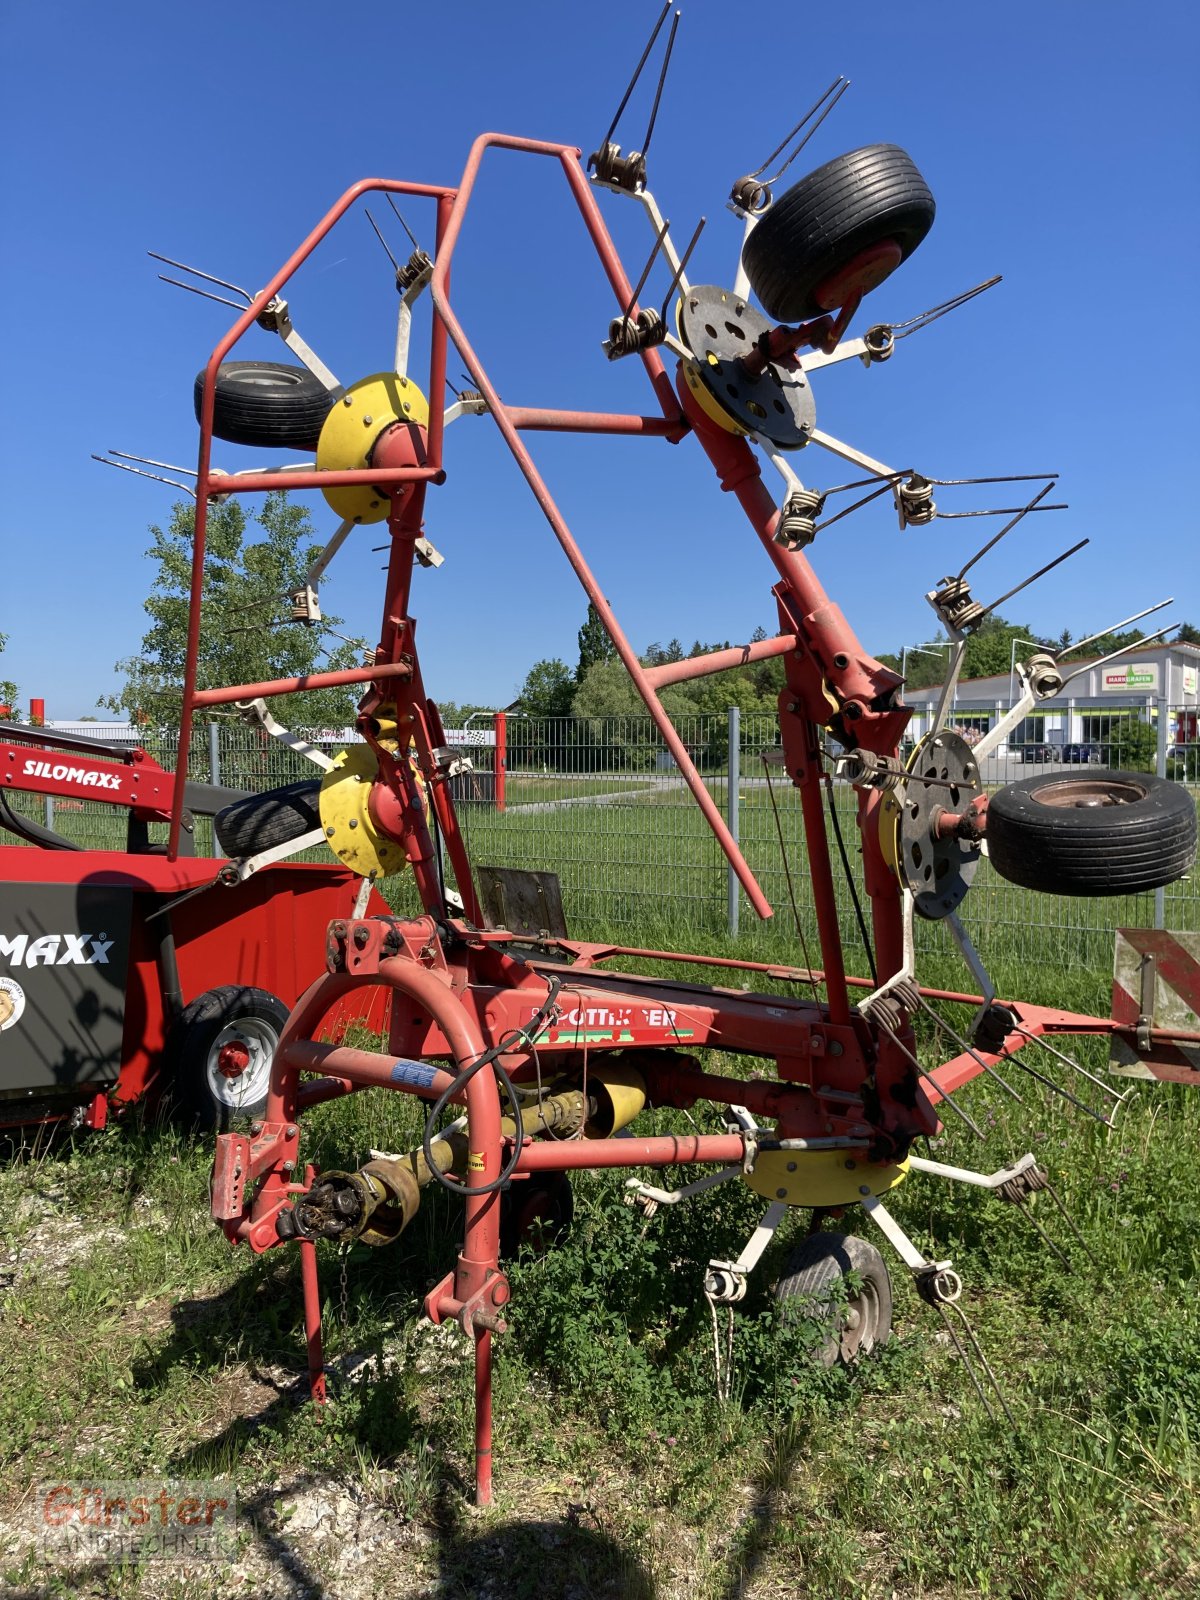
(822, 1177)
(344, 802)
(366, 410)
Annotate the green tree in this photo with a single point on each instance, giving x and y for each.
(548, 690)
(1187, 634)
(594, 644)
(8, 691)
(246, 630)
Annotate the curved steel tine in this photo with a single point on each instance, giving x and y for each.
(208, 277)
(966, 1046)
(382, 240)
(677, 277)
(901, 330)
(137, 471)
(833, 94)
(1136, 617)
(1137, 644)
(637, 72)
(412, 238)
(662, 78)
(1034, 576)
(1007, 528)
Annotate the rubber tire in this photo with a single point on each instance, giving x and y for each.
(1092, 850)
(536, 1213)
(266, 403)
(190, 1044)
(820, 224)
(261, 821)
(813, 1270)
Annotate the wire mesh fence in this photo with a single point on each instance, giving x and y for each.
(601, 803)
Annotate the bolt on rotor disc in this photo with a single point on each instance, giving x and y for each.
(720, 329)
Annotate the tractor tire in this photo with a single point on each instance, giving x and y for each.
(1092, 833)
(535, 1214)
(215, 1087)
(818, 226)
(809, 1287)
(261, 821)
(266, 403)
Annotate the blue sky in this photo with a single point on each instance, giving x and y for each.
(1060, 141)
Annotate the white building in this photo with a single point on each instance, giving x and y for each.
(1156, 678)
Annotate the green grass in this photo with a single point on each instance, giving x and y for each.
(134, 1342)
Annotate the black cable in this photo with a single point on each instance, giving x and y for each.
(490, 1057)
(862, 926)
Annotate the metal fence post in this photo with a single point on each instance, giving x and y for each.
(735, 774)
(1164, 717)
(214, 773)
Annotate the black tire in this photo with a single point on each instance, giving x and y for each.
(1092, 833)
(820, 224)
(267, 403)
(854, 1322)
(535, 1213)
(207, 1095)
(261, 821)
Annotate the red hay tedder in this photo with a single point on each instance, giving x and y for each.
(543, 1045)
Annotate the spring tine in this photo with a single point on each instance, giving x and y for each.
(412, 238)
(998, 511)
(1028, 1213)
(382, 240)
(650, 260)
(1008, 526)
(791, 134)
(662, 78)
(924, 318)
(1071, 1223)
(1123, 651)
(1058, 1089)
(1034, 576)
(866, 500)
(865, 483)
(206, 294)
(1106, 1088)
(964, 1044)
(208, 277)
(137, 471)
(1136, 617)
(637, 72)
(150, 462)
(682, 267)
(984, 1362)
(833, 94)
(943, 1098)
(1008, 477)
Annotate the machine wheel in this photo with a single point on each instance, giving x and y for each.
(221, 1050)
(536, 1212)
(807, 1288)
(261, 821)
(267, 403)
(815, 229)
(1092, 833)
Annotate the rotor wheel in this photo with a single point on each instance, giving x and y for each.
(853, 1322)
(814, 234)
(271, 404)
(220, 1054)
(1092, 833)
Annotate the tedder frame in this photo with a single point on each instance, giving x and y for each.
(546, 1051)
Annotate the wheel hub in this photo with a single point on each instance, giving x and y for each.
(720, 329)
(233, 1059)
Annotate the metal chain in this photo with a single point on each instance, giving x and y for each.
(343, 1288)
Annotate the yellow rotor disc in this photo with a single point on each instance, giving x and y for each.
(821, 1177)
(350, 430)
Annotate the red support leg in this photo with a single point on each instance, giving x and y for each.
(312, 1320)
(483, 1417)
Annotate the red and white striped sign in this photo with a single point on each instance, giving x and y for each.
(1156, 999)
